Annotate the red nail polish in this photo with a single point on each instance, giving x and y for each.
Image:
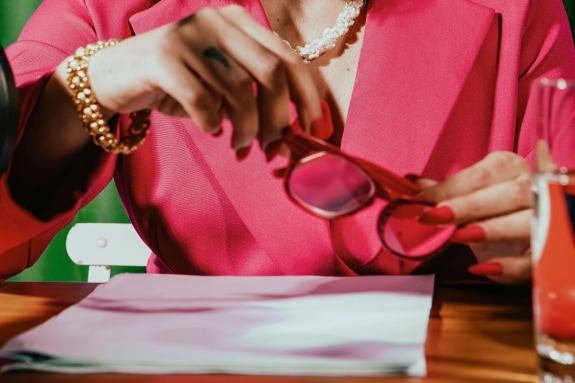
(438, 216)
(217, 132)
(242, 153)
(280, 173)
(323, 127)
(272, 149)
(486, 268)
(469, 234)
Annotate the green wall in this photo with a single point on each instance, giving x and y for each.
(13, 15)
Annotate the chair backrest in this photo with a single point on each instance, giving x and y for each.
(102, 245)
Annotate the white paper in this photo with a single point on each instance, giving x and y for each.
(288, 325)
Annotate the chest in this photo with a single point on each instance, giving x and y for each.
(310, 22)
(335, 79)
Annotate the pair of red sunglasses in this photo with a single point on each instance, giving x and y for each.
(329, 183)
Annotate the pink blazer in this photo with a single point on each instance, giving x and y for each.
(440, 84)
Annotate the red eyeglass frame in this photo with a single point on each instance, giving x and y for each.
(389, 186)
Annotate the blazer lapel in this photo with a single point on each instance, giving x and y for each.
(415, 58)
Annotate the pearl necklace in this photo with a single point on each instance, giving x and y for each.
(330, 36)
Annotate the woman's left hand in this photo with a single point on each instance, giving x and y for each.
(492, 201)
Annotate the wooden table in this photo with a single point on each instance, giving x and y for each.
(476, 334)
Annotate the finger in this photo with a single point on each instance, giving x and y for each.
(236, 86)
(168, 106)
(493, 201)
(300, 82)
(423, 183)
(195, 99)
(496, 167)
(516, 270)
(514, 226)
(222, 70)
(510, 227)
(231, 64)
(273, 94)
(506, 270)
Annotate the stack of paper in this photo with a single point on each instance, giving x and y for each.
(296, 325)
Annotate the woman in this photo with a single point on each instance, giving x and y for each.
(435, 88)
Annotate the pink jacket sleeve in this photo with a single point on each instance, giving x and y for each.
(55, 30)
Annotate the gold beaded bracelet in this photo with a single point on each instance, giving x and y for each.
(89, 109)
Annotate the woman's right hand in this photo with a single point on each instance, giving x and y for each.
(205, 67)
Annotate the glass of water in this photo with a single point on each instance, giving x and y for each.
(553, 231)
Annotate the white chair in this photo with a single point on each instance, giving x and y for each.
(102, 245)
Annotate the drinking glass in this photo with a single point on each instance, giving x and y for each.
(553, 231)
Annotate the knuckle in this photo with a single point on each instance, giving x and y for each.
(192, 97)
(204, 13)
(520, 273)
(271, 69)
(500, 157)
(520, 193)
(239, 79)
(508, 159)
(479, 178)
(233, 10)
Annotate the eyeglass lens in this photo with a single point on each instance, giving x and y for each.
(329, 185)
(402, 233)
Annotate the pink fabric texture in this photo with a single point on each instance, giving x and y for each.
(440, 84)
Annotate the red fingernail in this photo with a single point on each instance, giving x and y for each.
(280, 173)
(242, 153)
(469, 234)
(486, 268)
(217, 132)
(272, 149)
(438, 216)
(323, 127)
